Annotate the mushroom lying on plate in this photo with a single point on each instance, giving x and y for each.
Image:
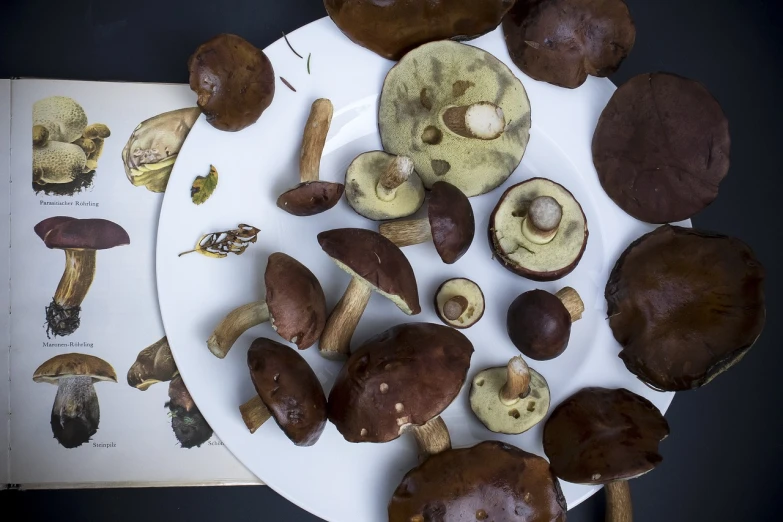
(539, 323)
(382, 186)
(459, 302)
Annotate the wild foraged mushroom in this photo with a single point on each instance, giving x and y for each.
(382, 186)
(188, 424)
(459, 302)
(76, 412)
(459, 113)
(80, 238)
(539, 323)
(154, 364)
(312, 196)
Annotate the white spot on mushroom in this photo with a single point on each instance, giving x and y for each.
(596, 476)
(294, 339)
(399, 407)
(403, 420)
(363, 433)
(384, 387)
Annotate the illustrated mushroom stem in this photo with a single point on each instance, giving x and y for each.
(314, 139)
(336, 338)
(237, 322)
(482, 120)
(455, 307)
(397, 173)
(618, 502)
(77, 277)
(406, 233)
(573, 303)
(543, 220)
(254, 413)
(518, 384)
(432, 437)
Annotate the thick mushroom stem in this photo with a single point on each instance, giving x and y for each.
(432, 437)
(254, 413)
(518, 384)
(237, 322)
(543, 220)
(62, 315)
(335, 342)
(483, 121)
(314, 139)
(618, 502)
(573, 303)
(455, 307)
(76, 413)
(408, 232)
(397, 173)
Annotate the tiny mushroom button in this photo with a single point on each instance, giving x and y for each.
(459, 302)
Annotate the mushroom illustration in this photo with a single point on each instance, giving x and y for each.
(605, 436)
(76, 412)
(382, 186)
(538, 230)
(539, 323)
(295, 305)
(685, 305)
(374, 263)
(288, 390)
(80, 238)
(466, 116)
(154, 364)
(234, 81)
(312, 196)
(188, 424)
(459, 302)
(449, 224)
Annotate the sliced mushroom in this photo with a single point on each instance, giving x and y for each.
(154, 364)
(539, 323)
(459, 302)
(383, 186)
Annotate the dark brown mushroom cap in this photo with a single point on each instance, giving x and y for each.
(86, 234)
(310, 198)
(490, 481)
(685, 305)
(599, 435)
(179, 394)
(661, 147)
(564, 41)
(451, 221)
(296, 300)
(290, 390)
(539, 325)
(391, 28)
(404, 376)
(377, 260)
(234, 81)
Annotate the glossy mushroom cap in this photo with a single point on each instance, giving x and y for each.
(490, 481)
(289, 389)
(599, 435)
(73, 365)
(402, 377)
(685, 305)
(539, 325)
(451, 221)
(87, 234)
(311, 198)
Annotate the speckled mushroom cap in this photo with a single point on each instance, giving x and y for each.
(88, 234)
(74, 365)
(62, 117)
(451, 221)
(490, 481)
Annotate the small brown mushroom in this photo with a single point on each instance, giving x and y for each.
(188, 424)
(539, 323)
(154, 364)
(312, 196)
(459, 302)
(450, 224)
(383, 186)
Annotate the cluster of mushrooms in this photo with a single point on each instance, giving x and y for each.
(684, 304)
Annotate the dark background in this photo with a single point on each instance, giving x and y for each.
(722, 460)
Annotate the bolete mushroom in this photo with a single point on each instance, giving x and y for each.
(80, 238)
(374, 264)
(154, 364)
(449, 224)
(538, 230)
(459, 302)
(288, 390)
(539, 323)
(661, 147)
(685, 305)
(234, 81)
(188, 424)
(605, 436)
(295, 305)
(76, 412)
(458, 112)
(563, 41)
(383, 186)
(312, 196)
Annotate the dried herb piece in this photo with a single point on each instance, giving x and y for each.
(287, 84)
(204, 186)
(220, 244)
(291, 47)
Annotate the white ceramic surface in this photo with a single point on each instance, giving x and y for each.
(334, 479)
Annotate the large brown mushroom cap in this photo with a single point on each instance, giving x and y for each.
(402, 377)
(539, 325)
(72, 365)
(685, 305)
(311, 198)
(65, 232)
(599, 435)
(451, 221)
(490, 481)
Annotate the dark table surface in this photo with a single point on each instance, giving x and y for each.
(722, 461)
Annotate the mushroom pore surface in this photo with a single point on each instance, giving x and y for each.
(466, 288)
(361, 188)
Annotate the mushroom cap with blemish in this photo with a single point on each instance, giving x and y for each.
(310, 198)
(600, 435)
(290, 390)
(451, 221)
(539, 324)
(490, 481)
(685, 305)
(65, 232)
(74, 365)
(404, 376)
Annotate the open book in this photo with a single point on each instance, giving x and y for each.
(90, 393)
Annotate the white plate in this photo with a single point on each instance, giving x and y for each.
(334, 479)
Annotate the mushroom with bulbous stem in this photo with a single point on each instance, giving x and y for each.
(459, 302)
(379, 186)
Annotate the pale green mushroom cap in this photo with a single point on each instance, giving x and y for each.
(63, 117)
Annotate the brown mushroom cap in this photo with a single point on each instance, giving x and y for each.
(564, 41)
(89, 234)
(661, 147)
(234, 80)
(289, 389)
(685, 305)
(451, 221)
(402, 377)
(73, 365)
(599, 435)
(539, 325)
(310, 198)
(154, 364)
(490, 481)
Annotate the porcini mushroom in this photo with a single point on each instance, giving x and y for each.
(459, 302)
(288, 390)
(80, 238)
(538, 230)
(76, 412)
(374, 264)
(685, 305)
(383, 186)
(188, 424)
(234, 81)
(449, 224)
(605, 436)
(458, 112)
(539, 323)
(154, 364)
(295, 305)
(312, 196)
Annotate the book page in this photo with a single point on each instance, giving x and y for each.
(5, 267)
(95, 397)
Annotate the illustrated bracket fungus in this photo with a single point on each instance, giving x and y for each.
(383, 186)
(459, 302)
(539, 323)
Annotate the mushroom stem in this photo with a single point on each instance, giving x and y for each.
(397, 173)
(618, 502)
(482, 120)
(314, 139)
(455, 307)
(335, 342)
(518, 382)
(542, 220)
(77, 278)
(75, 413)
(406, 233)
(237, 322)
(573, 303)
(254, 413)
(432, 437)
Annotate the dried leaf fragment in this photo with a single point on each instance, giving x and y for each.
(220, 244)
(204, 186)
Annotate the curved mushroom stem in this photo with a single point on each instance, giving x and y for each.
(335, 342)
(455, 307)
(432, 437)
(40, 135)
(618, 502)
(573, 303)
(397, 173)
(62, 315)
(408, 232)
(314, 139)
(518, 384)
(254, 413)
(543, 220)
(75, 413)
(237, 322)
(482, 120)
